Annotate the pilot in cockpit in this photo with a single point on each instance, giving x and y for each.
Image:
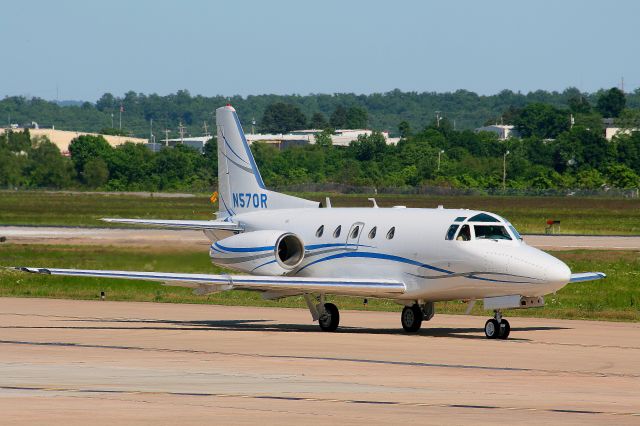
(465, 234)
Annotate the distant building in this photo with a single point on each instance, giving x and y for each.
(62, 138)
(611, 129)
(610, 132)
(341, 137)
(504, 131)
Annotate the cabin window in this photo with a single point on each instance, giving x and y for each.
(320, 231)
(336, 233)
(491, 232)
(452, 232)
(464, 234)
(391, 233)
(460, 219)
(483, 217)
(372, 233)
(355, 231)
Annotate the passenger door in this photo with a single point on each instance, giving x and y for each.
(353, 237)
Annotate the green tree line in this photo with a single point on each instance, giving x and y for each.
(380, 111)
(553, 153)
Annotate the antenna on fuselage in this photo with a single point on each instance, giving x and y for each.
(373, 200)
(328, 202)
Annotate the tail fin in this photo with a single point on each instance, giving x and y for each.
(240, 186)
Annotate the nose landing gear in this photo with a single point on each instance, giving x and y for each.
(497, 327)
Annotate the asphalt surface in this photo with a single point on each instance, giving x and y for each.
(190, 238)
(92, 362)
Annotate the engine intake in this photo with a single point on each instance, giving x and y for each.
(289, 251)
(260, 252)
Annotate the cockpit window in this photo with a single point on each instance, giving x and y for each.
(491, 232)
(452, 232)
(483, 217)
(514, 232)
(460, 219)
(464, 234)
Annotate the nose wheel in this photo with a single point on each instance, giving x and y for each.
(497, 327)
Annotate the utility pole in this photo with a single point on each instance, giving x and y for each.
(121, 109)
(206, 129)
(151, 137)
(112, 120)
(181, 130)
(504, 171)
(440, 152)
(253, 126)
(166, 137)
(438, 118)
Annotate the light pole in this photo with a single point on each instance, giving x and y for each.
(439, 154)
(504, 171)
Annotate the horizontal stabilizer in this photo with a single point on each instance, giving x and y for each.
(587, 276)
(204, 282)
(182, 224)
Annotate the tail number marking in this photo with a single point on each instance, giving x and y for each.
(248, 200)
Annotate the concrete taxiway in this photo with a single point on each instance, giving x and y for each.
(193, 238)
(92, 362)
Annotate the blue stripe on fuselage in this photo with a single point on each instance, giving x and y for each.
(377, 256)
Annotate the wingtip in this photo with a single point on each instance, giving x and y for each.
(32, 270)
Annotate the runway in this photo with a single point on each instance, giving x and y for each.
(194, 239)
(80, 362)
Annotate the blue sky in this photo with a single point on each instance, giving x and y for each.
(85, 48)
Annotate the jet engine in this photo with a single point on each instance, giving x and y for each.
(260, 252)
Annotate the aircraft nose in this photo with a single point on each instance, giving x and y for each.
(557, 272)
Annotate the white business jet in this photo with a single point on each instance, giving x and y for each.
(291, 246)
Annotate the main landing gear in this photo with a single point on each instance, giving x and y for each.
(330, 318)
(497, 327)
(327, 314)
(412, 316)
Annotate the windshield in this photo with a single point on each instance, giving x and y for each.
(514, 232)
(491, 232)
(451, 232)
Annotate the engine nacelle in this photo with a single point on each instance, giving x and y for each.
(259, 252)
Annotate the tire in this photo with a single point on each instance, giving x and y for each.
(505, 329)
(330, 319)
(411, 318)
(491, 329)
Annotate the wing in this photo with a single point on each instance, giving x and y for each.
(183, 224)
(205, 283)
(587, 276)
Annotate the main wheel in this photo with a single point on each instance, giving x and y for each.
(411, 318)
(505, 328)
(491, 329)
(330, 319)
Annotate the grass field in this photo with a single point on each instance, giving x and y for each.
(529, 214)
(616, 298)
